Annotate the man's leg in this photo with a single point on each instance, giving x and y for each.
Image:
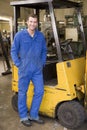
(37, 80)
(22, 91)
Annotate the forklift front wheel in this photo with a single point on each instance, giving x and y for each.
(71, 114)
(14, 102)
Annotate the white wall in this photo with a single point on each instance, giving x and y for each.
(5, 8)
(85, 7)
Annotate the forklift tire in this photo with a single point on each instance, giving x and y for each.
(14, 102)
(71, 114)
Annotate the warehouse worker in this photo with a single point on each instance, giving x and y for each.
(28, 53)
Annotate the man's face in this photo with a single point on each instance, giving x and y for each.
(32, 23)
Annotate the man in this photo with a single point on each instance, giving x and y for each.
(29, 55)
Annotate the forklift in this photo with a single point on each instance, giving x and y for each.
(65, 74)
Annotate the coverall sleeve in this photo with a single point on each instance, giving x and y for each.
(44, 52)
(15, 51)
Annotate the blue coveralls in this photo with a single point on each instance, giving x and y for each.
(29, 55)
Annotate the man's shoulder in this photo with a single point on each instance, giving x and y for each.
(20, 32)
(40, 34)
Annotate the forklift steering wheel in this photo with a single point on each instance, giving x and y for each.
(66, 48)
(66, 42)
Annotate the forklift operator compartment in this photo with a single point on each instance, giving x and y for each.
(64, 72)
(56, 53)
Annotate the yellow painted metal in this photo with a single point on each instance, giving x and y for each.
(85, 101)
(70, 74)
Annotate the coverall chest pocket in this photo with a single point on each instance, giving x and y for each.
(25, 45)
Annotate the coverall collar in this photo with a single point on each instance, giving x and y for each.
(35, 34)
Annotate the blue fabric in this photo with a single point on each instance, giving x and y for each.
(29, 55)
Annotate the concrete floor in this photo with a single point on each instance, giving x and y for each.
(9, 119)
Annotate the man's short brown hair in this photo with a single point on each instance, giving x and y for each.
(33, 16)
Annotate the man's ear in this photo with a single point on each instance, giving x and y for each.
(27, 22)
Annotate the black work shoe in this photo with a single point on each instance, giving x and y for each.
(39, 121)
(26, 123)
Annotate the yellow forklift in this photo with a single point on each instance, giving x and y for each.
(65, 91)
